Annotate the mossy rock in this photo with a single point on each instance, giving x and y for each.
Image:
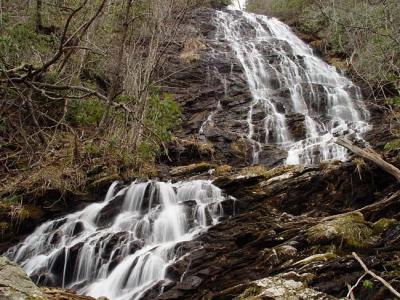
(222, 170)
(383, 224)
(21, 212)
(251, 293)
(349, 230)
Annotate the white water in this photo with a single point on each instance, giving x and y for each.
(271, 54)
(131, 251)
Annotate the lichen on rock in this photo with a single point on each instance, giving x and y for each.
(348, 230)
(285, 286)
(15, 284)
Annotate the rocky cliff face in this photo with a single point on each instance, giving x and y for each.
(209, 84)
(252, 92)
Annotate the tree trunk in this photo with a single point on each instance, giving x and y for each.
(38, 16)
(118, 66)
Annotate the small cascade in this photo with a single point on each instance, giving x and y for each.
(121, 247)
(288, 82)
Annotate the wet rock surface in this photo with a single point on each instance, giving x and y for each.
(214, 97)
(285, 222)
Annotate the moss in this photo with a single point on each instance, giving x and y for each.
(383, 224)
(4, 226)
(221, 170)
(5, 230)
(195, 147)
(251, 293)
(350, 230)
(24, 212)
(240, 148)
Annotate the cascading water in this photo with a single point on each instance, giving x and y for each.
(276, 62)
(122, 246)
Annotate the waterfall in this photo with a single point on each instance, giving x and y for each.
(122, 246)
(287, 81)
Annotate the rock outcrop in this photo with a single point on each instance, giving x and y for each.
(285, 286)
(280, 225)
(209, 84)
(15, 284)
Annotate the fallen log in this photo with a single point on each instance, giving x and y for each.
(369, 155)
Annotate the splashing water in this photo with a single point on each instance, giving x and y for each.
(122, 246)
(275, 62)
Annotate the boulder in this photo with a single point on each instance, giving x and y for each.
(286, 286)
(350, 230)
(62, 294)
(15, 284)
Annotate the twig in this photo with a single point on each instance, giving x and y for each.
(350, 293)
(383, 281)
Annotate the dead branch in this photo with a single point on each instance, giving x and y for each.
(369, 155)
(115, 75)
(383, 281)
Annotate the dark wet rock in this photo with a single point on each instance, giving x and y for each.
(270, 233)
(230, 207)
(60, 266)
(296, 125)
(160, 287)
(79, 227)
(108, 213)
(189, 283)
(171, 295)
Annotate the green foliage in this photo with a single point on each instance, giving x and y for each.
(21, 42)
(367, 284)
(85, 112)
(12, 199)
(163, 115)
(394, 101)
(288, 6)
(393, 145)
(214, 3)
